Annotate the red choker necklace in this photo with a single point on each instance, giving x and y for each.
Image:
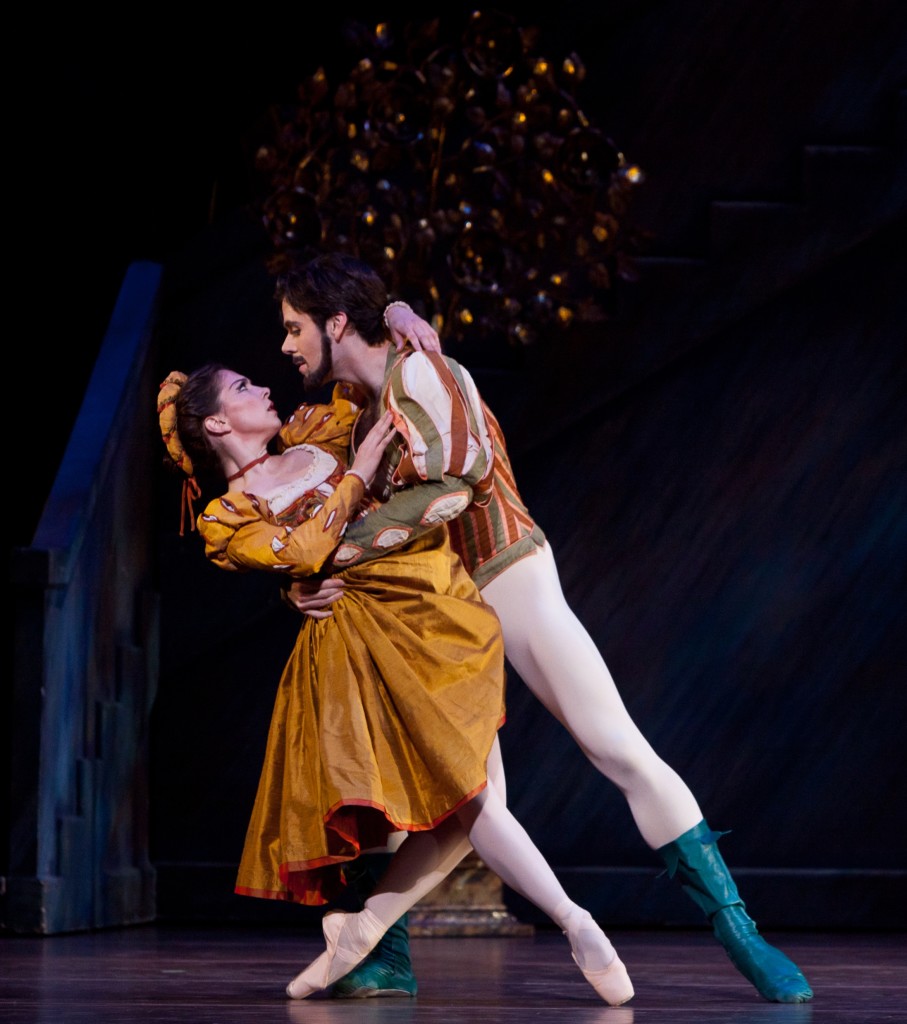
(248, 465)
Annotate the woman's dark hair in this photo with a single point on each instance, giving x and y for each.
(199, 397)
(336, 283)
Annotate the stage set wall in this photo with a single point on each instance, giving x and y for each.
(720, 471)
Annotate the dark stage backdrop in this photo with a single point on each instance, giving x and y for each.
(732, 532)
(721, 472)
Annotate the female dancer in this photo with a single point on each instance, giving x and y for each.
(387, 713)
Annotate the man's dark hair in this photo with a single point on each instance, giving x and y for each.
(336, 283)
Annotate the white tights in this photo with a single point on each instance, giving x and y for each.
(486, 825)
(556, 658)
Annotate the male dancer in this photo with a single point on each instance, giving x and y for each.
(507, 555)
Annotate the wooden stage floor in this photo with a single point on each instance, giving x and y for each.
(236, 975)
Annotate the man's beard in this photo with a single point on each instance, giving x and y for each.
(324, 371)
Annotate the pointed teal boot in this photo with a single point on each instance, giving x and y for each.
(705, 878)
(387, 970)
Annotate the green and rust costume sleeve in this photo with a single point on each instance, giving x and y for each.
(444, 464)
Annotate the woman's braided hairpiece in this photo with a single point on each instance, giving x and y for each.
(166, 414)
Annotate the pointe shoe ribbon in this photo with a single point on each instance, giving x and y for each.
(612, 983)
(337, 960)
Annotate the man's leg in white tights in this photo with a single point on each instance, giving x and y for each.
(556, 658)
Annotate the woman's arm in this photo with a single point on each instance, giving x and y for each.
(408, 328)
(239, 535)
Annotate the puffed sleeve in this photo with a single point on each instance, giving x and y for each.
(447, 454)
(238, 534)
(328, 425)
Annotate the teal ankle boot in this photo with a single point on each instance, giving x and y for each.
(705, 878)
(387, 970)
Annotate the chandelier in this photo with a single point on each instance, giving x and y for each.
(459, 163)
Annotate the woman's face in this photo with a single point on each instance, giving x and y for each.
(245, 407)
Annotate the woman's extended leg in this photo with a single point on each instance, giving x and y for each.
(505, 847)
(425, 858)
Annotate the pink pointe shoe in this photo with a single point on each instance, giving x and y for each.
(612, 983)
(591, 944)
(359, 932)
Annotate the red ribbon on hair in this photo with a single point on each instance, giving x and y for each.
(191, 492)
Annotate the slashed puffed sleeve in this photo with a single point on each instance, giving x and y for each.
(446, 458)
(239, 535)
(328, 425)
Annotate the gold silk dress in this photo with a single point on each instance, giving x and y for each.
(385, 713)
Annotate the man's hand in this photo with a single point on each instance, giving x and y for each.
(407, 326)
(314, 597)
